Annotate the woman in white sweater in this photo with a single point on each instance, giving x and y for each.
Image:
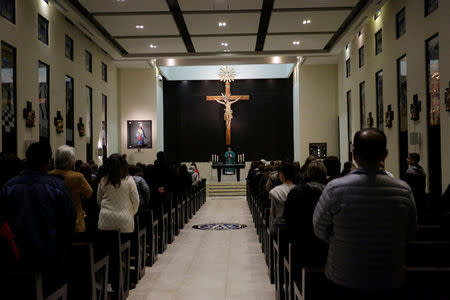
(117, 197)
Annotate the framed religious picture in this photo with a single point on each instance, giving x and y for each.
(318, 150)
(139, 134)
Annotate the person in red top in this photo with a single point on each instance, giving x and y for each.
(9, 254)
(193, 164)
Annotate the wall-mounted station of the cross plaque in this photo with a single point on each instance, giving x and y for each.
(318, 150)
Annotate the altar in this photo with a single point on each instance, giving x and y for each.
(220, 166)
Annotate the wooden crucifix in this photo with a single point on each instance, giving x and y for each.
(227, 75)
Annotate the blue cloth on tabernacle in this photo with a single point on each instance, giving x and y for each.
(39, 209)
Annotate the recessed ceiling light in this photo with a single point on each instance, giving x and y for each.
(222, 24)
(227, 50)
(139, 26)
(224, 44)
(296, 43)
(153, 46)
(306, 22)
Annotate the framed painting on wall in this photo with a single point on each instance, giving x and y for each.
(139, 134)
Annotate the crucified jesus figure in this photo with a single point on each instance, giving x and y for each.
(228, 115)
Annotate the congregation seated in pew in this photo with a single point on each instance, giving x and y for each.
(38, 224)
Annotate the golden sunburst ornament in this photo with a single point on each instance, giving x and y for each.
(227, 74)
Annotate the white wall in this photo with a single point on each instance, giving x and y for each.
(412, 43)
(138, 101)
(23, 36)
(318, 108)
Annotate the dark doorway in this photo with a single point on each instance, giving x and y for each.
(89, 142)
(433, 118)
(402, 112)
(349, 124)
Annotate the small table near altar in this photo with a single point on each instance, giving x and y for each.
(221, 166)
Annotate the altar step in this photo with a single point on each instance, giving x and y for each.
(226, 189)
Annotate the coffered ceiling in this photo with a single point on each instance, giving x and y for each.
(161, 28)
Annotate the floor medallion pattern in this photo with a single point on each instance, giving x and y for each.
(220, 226)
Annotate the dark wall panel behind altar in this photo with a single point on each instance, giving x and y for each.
(261, 128)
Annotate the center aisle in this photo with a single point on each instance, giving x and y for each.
(210, 265)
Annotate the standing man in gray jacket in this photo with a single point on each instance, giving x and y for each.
(367, 218)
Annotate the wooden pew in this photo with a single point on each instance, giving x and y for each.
(280, 245)
(313, 285)
(183, 209)
(172, 218)
(422, 283)
(151, 225)
(266, 233)
(178, 212)
(110, 243)
(163, 224)
(431, 233)
(189, 204)
(428, 254)
(428, 273)
(88, 277)
(138, 241)
(313, 254)
(27, 285)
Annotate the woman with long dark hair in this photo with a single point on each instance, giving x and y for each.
(117, 196)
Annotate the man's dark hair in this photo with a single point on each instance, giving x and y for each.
(78, 164)
(132, 170)
(38, 154)
(370, 144)
(415, 157)
(333, 165)
(10, 165)
(288, 170)
(161, 156)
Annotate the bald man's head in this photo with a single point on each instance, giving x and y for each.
(370, 145)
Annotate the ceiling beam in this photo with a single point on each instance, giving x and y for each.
(230, 54)
(85, 13)
(181, 24)
(136, 37)
(219, 12)
(346, 24)
(264, 24)
(308, 9)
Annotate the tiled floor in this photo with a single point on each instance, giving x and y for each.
(210, 265)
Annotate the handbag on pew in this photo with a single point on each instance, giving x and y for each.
(9, 253)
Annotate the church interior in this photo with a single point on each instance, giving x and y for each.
(225, 149)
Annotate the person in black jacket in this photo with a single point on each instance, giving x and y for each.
(299, 210)
(415, 177)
